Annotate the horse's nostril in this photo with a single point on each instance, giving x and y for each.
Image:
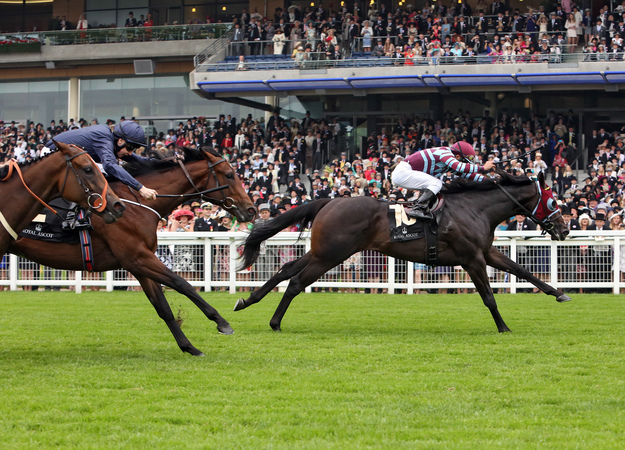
(119, 207)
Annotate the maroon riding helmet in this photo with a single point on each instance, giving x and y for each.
(465, 150)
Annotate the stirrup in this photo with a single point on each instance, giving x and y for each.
(420, 214)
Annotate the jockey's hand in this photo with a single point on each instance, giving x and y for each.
(489, 165)
(147, 193)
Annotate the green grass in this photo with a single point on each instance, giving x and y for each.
(100, 370)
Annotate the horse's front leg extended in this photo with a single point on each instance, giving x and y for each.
(477, 271)
(154, 292)
(498, 260)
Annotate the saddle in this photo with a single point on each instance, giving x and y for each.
(403, 228)
(70, 226)
(63, 227)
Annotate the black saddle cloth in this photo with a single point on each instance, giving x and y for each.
(49, 227)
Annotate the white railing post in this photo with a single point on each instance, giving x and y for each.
(616, 265)
(13, 270)
(233, 262)
(554, 263)
(109, 280)
(208, 264)
(78, 282)
(513, 254)
(391, 275)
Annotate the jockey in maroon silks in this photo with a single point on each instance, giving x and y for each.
(424, 169)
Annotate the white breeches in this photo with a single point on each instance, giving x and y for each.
(404, 176)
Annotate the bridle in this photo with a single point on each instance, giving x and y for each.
(546, 225)
(95, 201)
(225, 202)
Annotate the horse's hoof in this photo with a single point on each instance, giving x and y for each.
(563, 298)
(194, 351)
(200, 355)
(276, 328)
(225, 330)
(239, 305)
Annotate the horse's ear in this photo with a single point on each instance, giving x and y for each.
(61, 146)
(541, 179)
(206, 151)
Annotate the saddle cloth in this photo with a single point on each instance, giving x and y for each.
(404, 228)
(48, 227)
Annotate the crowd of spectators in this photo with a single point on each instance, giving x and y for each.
(285, 163)
(436, 30)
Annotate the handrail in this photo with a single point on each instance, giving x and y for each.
(216, 47)
(269, 62)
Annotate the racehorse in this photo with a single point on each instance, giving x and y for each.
(131, 242)
(25, 187)
(467, 223)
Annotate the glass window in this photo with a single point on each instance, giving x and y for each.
(38, 101)
(133, 3)
(97, 19)
(151, 97)
(99, 4)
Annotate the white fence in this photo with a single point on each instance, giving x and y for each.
(586, 260)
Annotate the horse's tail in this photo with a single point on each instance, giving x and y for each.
(301, 215)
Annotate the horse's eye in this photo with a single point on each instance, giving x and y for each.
(230, 176)
(88, 170)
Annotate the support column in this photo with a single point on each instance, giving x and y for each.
(492, 98)
(73, 100)
(274, 101)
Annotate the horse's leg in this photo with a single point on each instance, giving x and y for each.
(154, 292)
(287, 271)
(306, 276)
(477, 271)
(145, 264)
(498, 260)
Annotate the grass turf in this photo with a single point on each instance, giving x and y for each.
(348, 371)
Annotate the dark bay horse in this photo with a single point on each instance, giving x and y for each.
(130, 243)
(68, 172)
(472, 211)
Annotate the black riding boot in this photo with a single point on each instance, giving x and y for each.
(421, 208)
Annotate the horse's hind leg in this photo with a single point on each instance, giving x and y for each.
(498, 260)
(154, 292)
(306, 276)
(477, 271)
(287, 271)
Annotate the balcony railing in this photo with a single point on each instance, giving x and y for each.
(120, 35)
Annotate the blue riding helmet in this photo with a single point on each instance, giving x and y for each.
(131, 132)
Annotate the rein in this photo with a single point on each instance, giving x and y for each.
(93, 199)
(547, 226)
(542, 147)
(226, 202)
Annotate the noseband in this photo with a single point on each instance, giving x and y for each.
(547, 225)
(95, 201)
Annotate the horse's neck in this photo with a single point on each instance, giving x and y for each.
(174, 182)
(494, 204)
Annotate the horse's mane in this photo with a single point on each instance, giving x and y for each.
(461, 184)
(4, 168)
(136, 168)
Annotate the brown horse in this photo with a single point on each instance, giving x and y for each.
(466, 230)
(25, 187)
(131, 242)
